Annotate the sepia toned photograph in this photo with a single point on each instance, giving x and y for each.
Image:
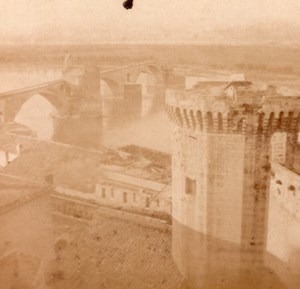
(150, 144)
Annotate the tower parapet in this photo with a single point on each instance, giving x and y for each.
(218, 112)
(220, 178)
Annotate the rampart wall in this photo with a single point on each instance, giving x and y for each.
(283, 243)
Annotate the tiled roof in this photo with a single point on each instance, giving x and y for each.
(15, 191)
(111, 253)
(13, 127)
(35, 161)
(9, 142)
(39, 158)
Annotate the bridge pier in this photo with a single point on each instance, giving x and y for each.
(133, 100)
(157, 95)
(125, 108)
(85, 97)
(82, 122)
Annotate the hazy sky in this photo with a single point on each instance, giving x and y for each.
(107, 20)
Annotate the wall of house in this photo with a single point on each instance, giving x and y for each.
(122, 196)
(132, 198)
(73, 208)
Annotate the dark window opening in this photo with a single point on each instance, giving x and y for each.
(49, 179)
(292, 188)
(124, 197)
(190, 186)
(157, 202)
(147, 202)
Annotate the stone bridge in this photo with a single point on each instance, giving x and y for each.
(12, 101)
(78, 91)
(118, 77)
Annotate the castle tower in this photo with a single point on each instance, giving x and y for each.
(221, 170)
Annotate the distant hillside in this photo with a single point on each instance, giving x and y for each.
(263, 57)
(263, 34)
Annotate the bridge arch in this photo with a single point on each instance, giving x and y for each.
(149, 77)
(114, 79)
(151, 70)
(156, 72)
(35, 112)
(14, 104)
(109, 88)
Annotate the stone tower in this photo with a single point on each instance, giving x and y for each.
(222, 144)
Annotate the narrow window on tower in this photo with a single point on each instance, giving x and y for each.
(103, 193)
(134, 197)
(190, 186)
(147, 202)
(124, 197)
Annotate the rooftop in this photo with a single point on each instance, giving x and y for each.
(17, 128)
(111, 253)
(40, 158)
(15, 191)
(104, 252)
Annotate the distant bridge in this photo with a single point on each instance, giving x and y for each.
(116, 78)
(79, 89)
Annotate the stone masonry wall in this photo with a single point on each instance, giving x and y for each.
(283, 242)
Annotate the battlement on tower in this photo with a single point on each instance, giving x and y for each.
(232, 107)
